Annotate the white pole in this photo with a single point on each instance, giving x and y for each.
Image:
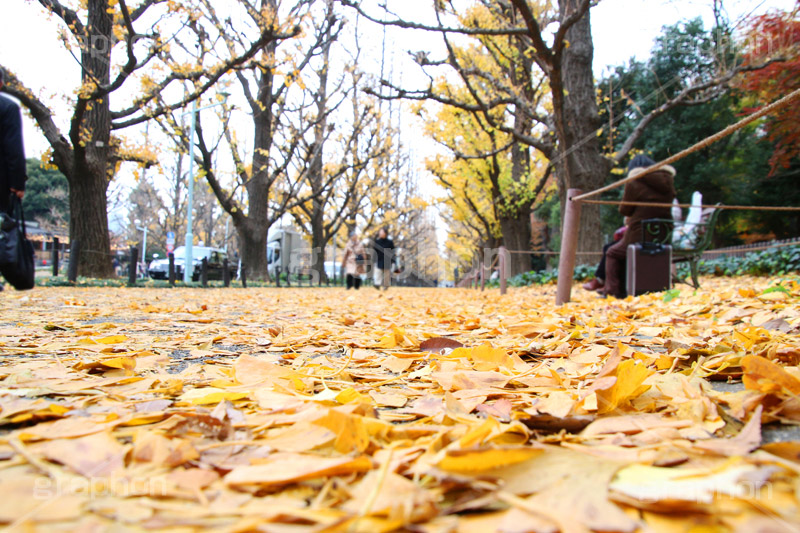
(188, 264)
(144, 251)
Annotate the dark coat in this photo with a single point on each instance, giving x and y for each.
(384, 249)
(12, 153)
(656, 187)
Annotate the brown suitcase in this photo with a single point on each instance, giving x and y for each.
(649, 268)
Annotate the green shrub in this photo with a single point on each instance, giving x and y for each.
(775, 261)
(543, 277)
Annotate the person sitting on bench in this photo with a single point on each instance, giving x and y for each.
(655, 187)
(598, 282)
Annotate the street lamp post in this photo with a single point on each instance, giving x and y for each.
(188, 265)
(188, 259)
(144, 243)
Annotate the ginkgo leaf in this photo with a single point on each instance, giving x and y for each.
(630, 376)
(210, 395)
(283, 468)
(765, 376)
(651, 484)
(475, 461)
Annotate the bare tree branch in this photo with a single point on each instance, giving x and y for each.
(441, 29)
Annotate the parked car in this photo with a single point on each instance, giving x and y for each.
(159, 268)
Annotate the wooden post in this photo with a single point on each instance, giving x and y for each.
(55, 256)
(278, 276)
(171, 271)
(132, 268)
(244, 276)
(455, 277)
(204, 272)
(74, 257)
(502, 265)
(483, 276)
(569, 245)
(226, 274)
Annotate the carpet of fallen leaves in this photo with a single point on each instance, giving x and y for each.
(436, 410)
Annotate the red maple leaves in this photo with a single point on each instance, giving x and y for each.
(775, 36)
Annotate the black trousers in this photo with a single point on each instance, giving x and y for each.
(600, 273)
(5, 199)
(353, 281)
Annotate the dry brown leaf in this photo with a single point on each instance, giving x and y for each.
(439, 344)
(282, 468)
(193, 478)
(392, 496)
(765, 376)
(93, 456)
(748, 439)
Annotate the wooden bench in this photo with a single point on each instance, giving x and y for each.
(661, 230)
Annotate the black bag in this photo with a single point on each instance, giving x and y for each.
(16, 251)
(361, 259)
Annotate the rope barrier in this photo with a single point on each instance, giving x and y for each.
(724, 251)
(786, 100)
(704, 206)
(533, 252)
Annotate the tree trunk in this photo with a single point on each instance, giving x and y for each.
(588, 169)
(90, 137)
(253, 247)
(175, 223)
(89, 223)
(318, 243)
(256, 223)
(316, 176)
(517, 236)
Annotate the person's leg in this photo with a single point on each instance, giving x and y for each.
(600, 273)
(616, 256)
(349, 281)
(357, 282)
(387, 278)
(377, 277)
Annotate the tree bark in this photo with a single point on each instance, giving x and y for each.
(318, 243)
(316, 178)
(90, 137)
(587, 169)
(253, 228)
(517, 236)
(89, 222)
(253, 247)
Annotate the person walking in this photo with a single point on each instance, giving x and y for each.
(656, 187)
(354, 259)
(12, 153)
(384, 256)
